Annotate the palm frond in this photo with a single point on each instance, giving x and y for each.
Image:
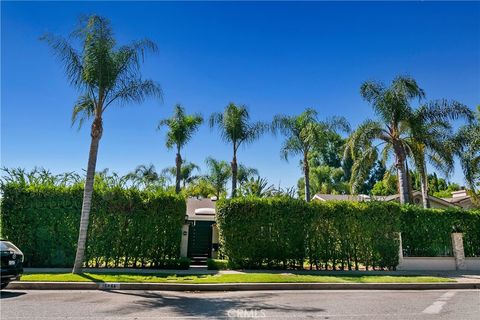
(68, 56)
(83, 110)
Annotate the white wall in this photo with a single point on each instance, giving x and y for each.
(427, 263)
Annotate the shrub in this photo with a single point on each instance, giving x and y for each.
(217, 264)
(128, 227)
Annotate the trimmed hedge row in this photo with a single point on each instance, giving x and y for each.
(128, 228)
(427, 232)
(286, 233)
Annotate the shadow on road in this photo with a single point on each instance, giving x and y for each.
(10, 294)
(204, 305)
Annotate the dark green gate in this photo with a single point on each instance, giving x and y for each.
(200, 239)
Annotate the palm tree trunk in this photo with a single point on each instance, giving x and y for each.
(96, 135)
(402, 182)
(401, 173)
(178, 163)
(234, 174)
(409, 181)
(306, 172)
(424, 183)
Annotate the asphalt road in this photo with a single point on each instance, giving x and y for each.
(140, 305)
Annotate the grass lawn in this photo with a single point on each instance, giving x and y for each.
(225, 278)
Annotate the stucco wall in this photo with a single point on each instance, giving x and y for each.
(473, 264)
(427, 263)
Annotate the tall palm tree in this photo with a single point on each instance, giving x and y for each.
(186, 172)
(181, 128)
(430, 132)
(105, 74)
(467, 149)
(392, 106)
(303, 132)
(235, 128)
(218, 175)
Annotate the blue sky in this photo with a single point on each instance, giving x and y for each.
(273, 57)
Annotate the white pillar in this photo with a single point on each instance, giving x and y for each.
(184, 243)
(400, 252)
(458, 251)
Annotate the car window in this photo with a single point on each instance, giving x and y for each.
(7, 245)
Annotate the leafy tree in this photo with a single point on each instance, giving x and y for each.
(328, 153)
(181, 128)
(218, 175)
(303, 133)
(105, 74)
(235, 128)
(385, 187)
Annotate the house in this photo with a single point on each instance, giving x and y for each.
(437, 203)
(199, 232)
(417, 199)
(461, 199)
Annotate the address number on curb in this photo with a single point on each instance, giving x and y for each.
(109, 286)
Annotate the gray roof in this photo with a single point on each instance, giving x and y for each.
(361, 197)
(341, 197)
(456, 199)
(194, 204)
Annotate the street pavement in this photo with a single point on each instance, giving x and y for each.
(142, 305)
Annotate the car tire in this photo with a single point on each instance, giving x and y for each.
(4, 285)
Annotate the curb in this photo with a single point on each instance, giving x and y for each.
(24, 285)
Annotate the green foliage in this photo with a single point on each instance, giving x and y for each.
(426, 232)
(103, 72)
(217, 264)
(200, 188)
(181, 127)
(128, 227)
(283, 232)
(218, 175)
(326, 180)
(257, 187)
(385, 187)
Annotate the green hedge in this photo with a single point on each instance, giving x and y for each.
(427, 232)
(128, 228)
(285, 232)
(290, 233)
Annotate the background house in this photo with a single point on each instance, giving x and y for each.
(461, 198)
(435, 202)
